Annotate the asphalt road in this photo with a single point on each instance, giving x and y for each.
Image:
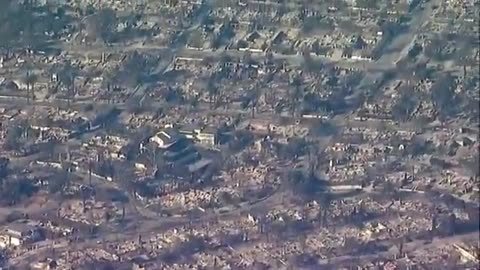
(397, 49)
(414, 246)
(400, 45)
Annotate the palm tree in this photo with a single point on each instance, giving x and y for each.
(295, 96)
(312, 159)
(270, 98)
(67, 81)
(325, 207)
(123, 210)
(90, 168)
(213, 91)
(295, 90)
(30, 80)
(254, 101)
(67, 77)
(107, 78)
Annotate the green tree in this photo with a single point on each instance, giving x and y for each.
(4, 169)
(101, 25)
(472, 165)
(57, 182)
(18, 189)
(14, 133)
(443, 95)
(367, 4)
(404, 106)
(10, 23)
